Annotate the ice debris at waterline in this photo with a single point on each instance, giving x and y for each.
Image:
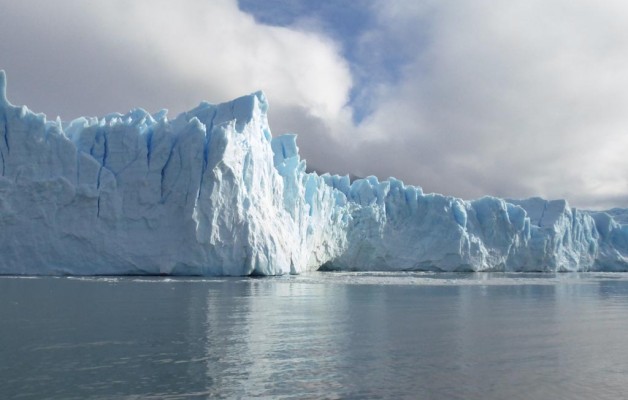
(211, 192)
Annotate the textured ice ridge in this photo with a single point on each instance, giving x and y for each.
(211, 192)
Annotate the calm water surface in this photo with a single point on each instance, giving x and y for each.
(331, 335)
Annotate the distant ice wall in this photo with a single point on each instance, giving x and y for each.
(211, 192)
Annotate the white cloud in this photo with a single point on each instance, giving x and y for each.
(223, 51)
(513, 98)
(186, 51)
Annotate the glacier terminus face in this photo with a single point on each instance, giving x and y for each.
(211, 192)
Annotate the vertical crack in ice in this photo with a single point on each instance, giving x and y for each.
(98, 177)
(78, 166)
(103, 134)
(542, 215)
(47, 133)
(164, 168)
(189, 181)
(106, 149)
(98, 207)
(6, 140)
(149, 145)
(208, 131)
(5, 132)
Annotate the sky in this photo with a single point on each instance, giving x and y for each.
(465, 98)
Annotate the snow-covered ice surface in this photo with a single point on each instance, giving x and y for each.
(211, 192)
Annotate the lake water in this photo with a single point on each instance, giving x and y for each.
(330, 335)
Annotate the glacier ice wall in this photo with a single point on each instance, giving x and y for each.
(211, 192)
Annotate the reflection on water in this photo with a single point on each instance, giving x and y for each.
(335, 335)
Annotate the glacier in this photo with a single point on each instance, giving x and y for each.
(212, 192)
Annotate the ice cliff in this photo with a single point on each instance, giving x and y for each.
(211, 192)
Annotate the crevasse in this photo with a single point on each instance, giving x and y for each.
(211, 192)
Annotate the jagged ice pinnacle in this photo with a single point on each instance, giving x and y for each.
(211, 192)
